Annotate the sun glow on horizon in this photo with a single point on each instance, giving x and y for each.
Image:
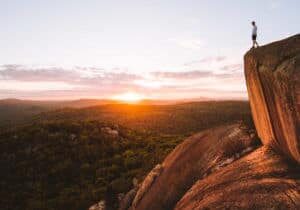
(129, 97)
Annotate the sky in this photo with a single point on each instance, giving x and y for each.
(156, 49)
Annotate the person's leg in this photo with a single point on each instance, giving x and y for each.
(253, 41)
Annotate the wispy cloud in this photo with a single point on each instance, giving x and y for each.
(212, 58)
(77, 75)
(233, 67)
(23, 73)
(206, 60)
(224, 72)
(183, 75)
(76, 82)
(82, 82)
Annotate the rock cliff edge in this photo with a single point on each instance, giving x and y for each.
(273, 82)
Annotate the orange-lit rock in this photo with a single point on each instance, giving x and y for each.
(194, 159)
(273, 81)
(261, 180)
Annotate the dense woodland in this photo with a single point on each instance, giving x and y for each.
(72, 158)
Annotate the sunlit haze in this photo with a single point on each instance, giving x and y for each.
(131, 50)
(129, 97)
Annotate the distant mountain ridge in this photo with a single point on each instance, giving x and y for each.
(80, 103)
(57, 103)
(17, 111)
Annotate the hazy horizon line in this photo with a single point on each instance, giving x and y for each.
(145, 99)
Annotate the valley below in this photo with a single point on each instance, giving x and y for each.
(71, 158)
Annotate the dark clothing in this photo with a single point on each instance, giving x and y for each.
(254, 37)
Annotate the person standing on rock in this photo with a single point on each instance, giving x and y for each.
(254, 35)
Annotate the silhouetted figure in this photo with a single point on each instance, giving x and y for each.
(254, 35)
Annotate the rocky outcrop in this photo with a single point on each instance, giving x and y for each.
(194, 159)
(268, 178)
(260, 180)
(273, 81)
(98, 206)
(145, 186)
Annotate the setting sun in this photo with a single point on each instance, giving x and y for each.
(129, 97)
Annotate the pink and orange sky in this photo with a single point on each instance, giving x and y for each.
(154, 49)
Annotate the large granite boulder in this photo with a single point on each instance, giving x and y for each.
(194, 159)
(273, 81)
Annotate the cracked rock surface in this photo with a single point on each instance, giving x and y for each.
(260, 180)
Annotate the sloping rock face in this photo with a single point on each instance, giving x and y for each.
(260, 180)
(273, 82)
(194, 159)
